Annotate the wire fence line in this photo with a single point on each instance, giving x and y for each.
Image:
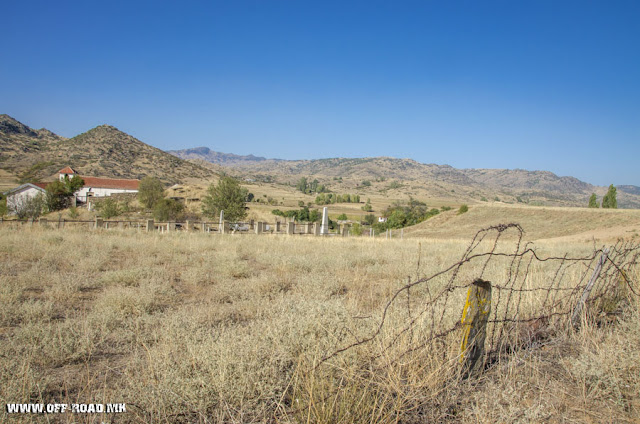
(525, 308)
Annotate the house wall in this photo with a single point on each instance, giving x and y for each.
(20, 197)
(100, 192)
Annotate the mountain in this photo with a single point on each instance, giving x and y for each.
(508, 185)
(103, 151)
(631, 189)
(217, 158)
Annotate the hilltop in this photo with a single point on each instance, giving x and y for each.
(104, 151)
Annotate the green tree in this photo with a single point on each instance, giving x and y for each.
(370, 219)
(593, 201)
(58, 193)
(150, 190)
(302, 185)
(56, 196)
(609, 200)
(227, 196)
(342, 217)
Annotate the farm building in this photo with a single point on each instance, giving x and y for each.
(99, 187)
(20, 195)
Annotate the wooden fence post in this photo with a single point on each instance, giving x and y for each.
(576, 318)
(474, 327)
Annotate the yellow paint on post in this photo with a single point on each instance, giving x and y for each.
(475, 316)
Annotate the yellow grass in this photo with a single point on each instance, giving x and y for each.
(189, 327)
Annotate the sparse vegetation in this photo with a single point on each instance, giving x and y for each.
(463, 209)
(183, 316)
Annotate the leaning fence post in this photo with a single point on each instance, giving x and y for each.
(475, 315)
(577, 312)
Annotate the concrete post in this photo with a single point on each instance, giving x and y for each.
(121, 225)
(251, 224)
(150, 225)
(204, 227)
(224, 227)
(259, 227)
(324, 229)
(171, 226)
(307, 228)
(337, 228)
(43, 222)
(188, 225)
(316, 229)
(99, 223)
(345, 230)
(291, 228)
(277, 226)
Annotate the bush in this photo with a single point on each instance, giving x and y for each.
(342, 217)
(445, 208)
(356, 229)
(3, 207)
(168, 210)
(29, 207)
(108, 208)
(463, 209)
(73, 212)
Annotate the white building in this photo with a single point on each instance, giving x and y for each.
(99, 187)
(20, 195)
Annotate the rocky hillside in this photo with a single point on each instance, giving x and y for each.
(512, 186)
(103, 151)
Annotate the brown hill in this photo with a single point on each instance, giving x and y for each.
(103, 151)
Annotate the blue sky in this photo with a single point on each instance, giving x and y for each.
(551, 85)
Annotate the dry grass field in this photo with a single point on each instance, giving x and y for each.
(188, 327)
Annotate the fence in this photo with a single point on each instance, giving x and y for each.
(259, 227)
(500, 297)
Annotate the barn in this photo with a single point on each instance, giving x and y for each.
(99, 187)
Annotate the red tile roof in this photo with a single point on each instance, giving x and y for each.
(41, 185)
(67, 170)
(111, 183)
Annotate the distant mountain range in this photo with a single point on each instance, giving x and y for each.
(103, 151)
(517, 185)
(27, 154)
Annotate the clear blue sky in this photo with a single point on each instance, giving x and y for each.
(552, 85)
